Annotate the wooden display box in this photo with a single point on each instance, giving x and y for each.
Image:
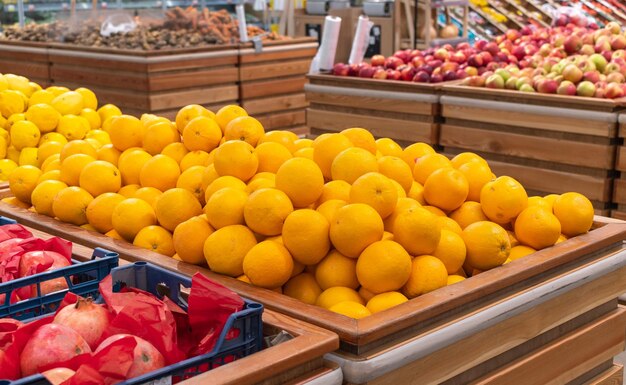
(403, 111)
(512, 319)
(271, 82)
(619, 188)
(29, 60)
(550, 143)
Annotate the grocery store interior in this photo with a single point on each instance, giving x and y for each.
(321, 192)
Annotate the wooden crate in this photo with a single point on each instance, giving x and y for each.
(29, 60)
(619, 187)
(159, 82)
(271, 82)
(404, 111)
(460, 333)
(550, 143)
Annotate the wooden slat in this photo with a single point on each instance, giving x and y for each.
(518, 119)
(620, 163)
(557, 182)
(275, 104)
(618, 214)
(277, 56)
(613, 376)
(619, 191)
(228, 61)
(90, 76)
(408, 131)
(182, 79)
(25, 68)
(58, 59)
(179, 99)
(375, 84)
(250, 90)
(533, 147)
(274, 70)
(372, 103)
(282, 120)
(567, 358)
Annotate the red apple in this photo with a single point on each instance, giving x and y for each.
(377, 61)
(614, 27)
(547, 86)
(587, 49)
(512, 34)
(458, 57)
(341, 69)
(393, 74)
(408, 73)
(487, 57)
(566, 88)
(367, 72)
(592, 76)
(380, 74)
(436, 78)
(480, 44)
(418, 61)
(471, 71)
(572, 73)
(475, 61)
(615, 77)
(613, 91)
(461, 74)
(393, 62)
(421, 77)
(442, 54)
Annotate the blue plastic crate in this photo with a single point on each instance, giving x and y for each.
(82, 278)
(162, 282)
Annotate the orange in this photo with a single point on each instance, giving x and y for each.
(126, 131)
(365, 294)
(109, 153)
(160, 172)
(362, 138)
(93, 118)
(227, 113)
(354, 227)
(335, 189)
(222, 182)
(268, 264)
(403, 205)
(202, 133)
(260, 183)
(302, 181)
(189, 238)
(44, 116)
(303, 288)
(89, 98)
(428, 273)
(155, 238)
(73, 127)
(416, 151)
(326, 147)
(148, 194)
(50, 175)
(286, 138)
(451, 251)
(329, 208)
(226, 248)
(550, 199)
(350, 309)
(266, 211)
(539, 201)
(100, 211)
(305, 234)
(503, 199)
(337, 294)
(245, 128)
(304, 153)
(417, 231)
(70, 205)
(130, 216)
(175, 206)
(271, 156)
(191, 180)
(22, 182)
(72, 167)
(520, 251)
(446, 189)
(512, 238)
(225, 207)
(417, 192)
(388, 147)
(189, 112)
(303, 143)
(399, 189)
(452, 279)
(384, 301)
(336, 270)
(477, 174)
(350, 164)
(537, 227)
(77, 147)
(131, 163)
(99, 177)
(236, 158)
(575, 212)
(44, 194)
(129, 190)
(176, 151)
(435, 210)
(108, 111)
(427, 164)
(69, 102)
(469, 212)
(383, 266)
(466, 157)
(194, 158)
(48, 149)
(487, 244)
(377, 191)
(395, 168)
(208, 176)
(158, 136)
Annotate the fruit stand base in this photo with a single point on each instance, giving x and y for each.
(32, 61)
(619, 187)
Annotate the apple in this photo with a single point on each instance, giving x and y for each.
(587, 49)
(405, 55)
(462, 46)
(586, 65)
(418, 61)
(547, 86)
(612, 67)
(449, 76)
(436, 78)
(615, 77)
(521, 81)
(421, 77)
(602, 44)
(377, 61)
(367, 72)
(354, 69)
(511, 83)
(408, 73)
(495, 81)
(618, 54)
(442, 54)
(475, 81)
(393, 74)
(426, 68)
(341, 69)
(504, 74)
(512, 34)
(380, 74)
(487, 57)
(614, 27)
(566, 88)
(492, 48)
(527, 88)
(586, 88)
(461, 74)
(599, 61)
(600, 93)
(434, 63)
(518, 52)
(592, 76)
(475, 60)
(393, 62)
(572, 44)
(572, 73)
(613, 91)
(526, 30)
(471, 71)
(480, 44)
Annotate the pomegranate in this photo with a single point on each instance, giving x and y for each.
(146, 357)
(50, 344)
(57, 376)
(7, 370)
(89, 319)
(31, 259)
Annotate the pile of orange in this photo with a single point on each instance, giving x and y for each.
(347, 222)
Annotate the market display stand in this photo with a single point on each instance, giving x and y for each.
(300, 359)
(271, 85)
(403, 111)
(509, 322)
(32, 61)
(550, 143)
(619, 188)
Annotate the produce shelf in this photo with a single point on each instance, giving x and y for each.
(497, 317)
